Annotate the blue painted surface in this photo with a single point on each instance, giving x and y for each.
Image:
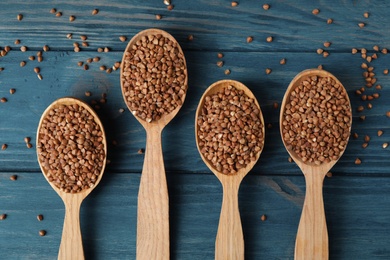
(356, 197)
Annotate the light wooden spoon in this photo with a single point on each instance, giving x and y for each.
(312, 236)
(153, 204)
(71, 246)
(229, 244)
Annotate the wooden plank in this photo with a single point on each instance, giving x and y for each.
(62, 77)
(356, 201)
(215, 25)
(357, 211)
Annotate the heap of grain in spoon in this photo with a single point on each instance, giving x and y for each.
(230, 130)
(316, 120)
(153, 78)
(70, 148)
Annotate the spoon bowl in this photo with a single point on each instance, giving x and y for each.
(153, 203)
(229, 241)
(312, 235)
(71, 246)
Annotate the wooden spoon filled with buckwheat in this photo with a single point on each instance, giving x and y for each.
(229, 132)
(315, 125)
(71, 150)
(154, 84)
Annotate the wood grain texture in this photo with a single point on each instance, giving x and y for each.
(356, 208)
(62, 77)
(356, 200)
(215, 25)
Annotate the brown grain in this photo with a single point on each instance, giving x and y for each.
(315, 11)
(220, 63)
(358, 161)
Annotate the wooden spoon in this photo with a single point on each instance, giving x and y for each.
(71, 246)
(312, 235)
(230, 241)
(153, 204)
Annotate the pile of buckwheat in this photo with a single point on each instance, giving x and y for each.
(153, 77)
(317, 119)
(71, 148)
(230, 130)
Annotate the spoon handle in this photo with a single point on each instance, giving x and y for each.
(153, 207)
(229, 244)
(312, 236)
(71, 246)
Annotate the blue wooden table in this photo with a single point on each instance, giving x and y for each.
(357, 201)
